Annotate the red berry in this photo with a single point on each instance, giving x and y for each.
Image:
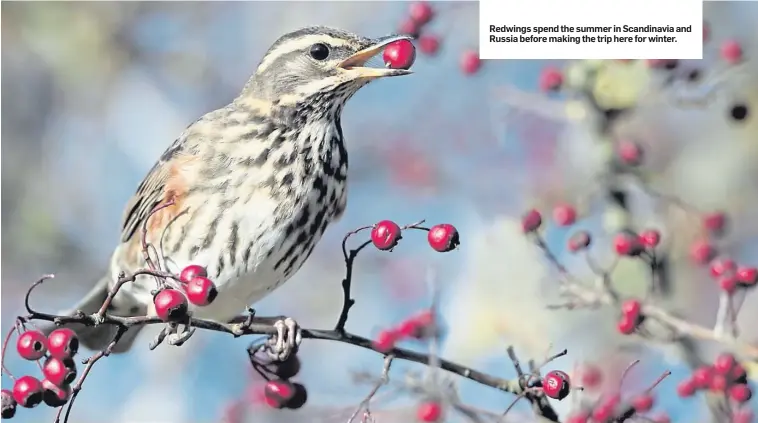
(728, 284)
(643, 403)
(191, 272)
(556, 384)
(718, 383)
(429, 412)
(629, 153)
(686, 388)
(8, 404)
(54, 395)
(470, 62)
(722, 267)
(278, 392)
(385, 341)
(170, 305)
(62, 343)
(385, 235)
(603, 412)
(702, 377)
(59, 372)
(626, 243)
(416, 326)
(288, 368)
(299, 398)
(579, 241)
(740, 393)
(551, 79)
(399, 55)
(626, 325)
(409, 27)
(650, 238)
(744, 415)
(715, 223)
(421, 12)
(590, 376)
(201, 291)
(702, 252)
(443, 237)
(27, 391)
(731, 51)
(429, 44)
(631, 309)
(31, 345)
(531, 221)
(747, 275)
(564, 215)
(408, 328)
(724, 363)
(578, 417)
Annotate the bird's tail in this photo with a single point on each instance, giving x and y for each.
(98, 337)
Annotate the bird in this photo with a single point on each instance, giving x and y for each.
(251, 187)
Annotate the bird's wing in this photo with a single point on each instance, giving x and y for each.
(167, 181)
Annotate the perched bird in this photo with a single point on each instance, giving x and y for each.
(254, 184)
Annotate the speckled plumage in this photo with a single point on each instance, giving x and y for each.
(254, 184)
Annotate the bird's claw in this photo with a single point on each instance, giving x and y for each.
(237, 329)
(286, 341)
(97, 319)
(178, 339)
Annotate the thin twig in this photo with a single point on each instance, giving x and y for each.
(385, 378)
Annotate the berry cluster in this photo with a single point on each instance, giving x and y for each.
(420, 14)
(172, 305)
(419, 326)
(631, 316)
(730, 276)
(59, 371)
(563, 215)
(279, 391)
(724, 376)
(614, 407)
(386, 234)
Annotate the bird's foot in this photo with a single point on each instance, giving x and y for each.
(286, 341)
(171, 334)
(178, 339)
(97, 319)
(238, 329)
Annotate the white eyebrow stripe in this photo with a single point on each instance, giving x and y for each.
(300, 44)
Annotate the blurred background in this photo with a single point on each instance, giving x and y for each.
(93, 92)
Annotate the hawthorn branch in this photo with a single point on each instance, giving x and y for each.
(591, 295)
(249, 324)
(89, 363)
(349, 256)
(383, 380)
(510, 386)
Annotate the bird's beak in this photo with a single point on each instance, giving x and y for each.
(354, 64)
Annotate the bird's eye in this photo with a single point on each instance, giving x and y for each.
(319, 51)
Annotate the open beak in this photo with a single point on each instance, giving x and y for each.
(355, 63)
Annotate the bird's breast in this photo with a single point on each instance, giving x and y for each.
(270, 233)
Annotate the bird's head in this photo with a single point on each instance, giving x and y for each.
(318, 65)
